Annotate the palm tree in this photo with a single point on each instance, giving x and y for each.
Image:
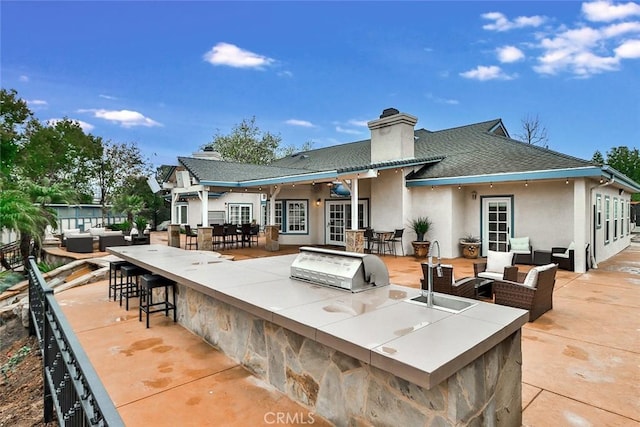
(132, 204)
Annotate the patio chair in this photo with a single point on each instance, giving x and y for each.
(497, 266)
(231, 234)
(218, 235)
(245, 236)
(254, 234)
(446, 284)
(369, 239)
(534, 294)
(191, 237)
(522, 249)
(80, 243)
(565, 257)
(395, 239)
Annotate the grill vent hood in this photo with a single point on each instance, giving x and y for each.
(344, 270)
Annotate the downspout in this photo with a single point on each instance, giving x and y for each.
(594, 264)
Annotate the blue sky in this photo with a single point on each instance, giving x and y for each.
(169, 75)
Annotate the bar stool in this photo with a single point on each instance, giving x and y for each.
(148, 283)
(114, 272)
(130, 289)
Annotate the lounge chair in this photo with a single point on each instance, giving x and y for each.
(497, 266)
(522, 250)
(565, 257)
(534, 294)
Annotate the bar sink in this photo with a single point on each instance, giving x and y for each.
(444, 303)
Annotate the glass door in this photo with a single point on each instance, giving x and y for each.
(496, 223)
(338, 214)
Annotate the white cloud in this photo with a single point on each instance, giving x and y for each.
(501, 23)
(484, 73)
(285, 73)
(605, 11)
(233, 56)
(587, 51)
(87, 127)
(509, 54)
(107, 97)
(442, 100)
(23, 78)
(125, 118)
(37, 103)
(303, 123)
(628, 50)
(354, 122)
(348, 131)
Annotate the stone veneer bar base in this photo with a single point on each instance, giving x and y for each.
(347, 391)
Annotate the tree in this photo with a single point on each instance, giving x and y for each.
(533, 132)
(246, 144)
(131, 204)
(624, 160)
(118, 162)
(61, 153)
(597, 158)
(14, 116)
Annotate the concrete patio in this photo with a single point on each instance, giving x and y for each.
(580, 361)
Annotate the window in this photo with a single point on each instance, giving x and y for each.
(615, 219)
(297, 216)
(267, 212)
(622, 220)
(291, 216)
(181, 213)
(240, 213)
(598, 211)
(607, 219)
(629, 218)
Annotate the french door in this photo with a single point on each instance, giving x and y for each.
(338, 214)
(496, 223)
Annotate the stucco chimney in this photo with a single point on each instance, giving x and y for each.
(392, 136)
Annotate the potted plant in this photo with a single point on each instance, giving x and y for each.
(470, 245)
(420, 226)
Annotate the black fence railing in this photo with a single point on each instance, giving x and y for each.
(72, 389)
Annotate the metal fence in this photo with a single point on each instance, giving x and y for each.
(72, 389)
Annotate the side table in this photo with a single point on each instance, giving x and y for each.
(541, 257)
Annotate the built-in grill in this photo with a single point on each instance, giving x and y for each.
(344, 270)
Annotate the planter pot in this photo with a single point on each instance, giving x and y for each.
(470, 250)
(420, 249)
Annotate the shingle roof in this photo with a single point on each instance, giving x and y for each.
(221, 171)
(461, 151)
(474, 150)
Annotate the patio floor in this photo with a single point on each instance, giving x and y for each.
(580, 360)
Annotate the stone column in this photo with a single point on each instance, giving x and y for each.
(272, 233)
(205, 238)
(355, 241)
(174, 235)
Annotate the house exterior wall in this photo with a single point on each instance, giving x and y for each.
(602, 248)
(388, 201)
(194, 211)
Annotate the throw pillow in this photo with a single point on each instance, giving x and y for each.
(497, 261)
(571, 247)
(520, 244)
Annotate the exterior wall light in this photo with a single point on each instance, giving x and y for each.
(474, 194)
(318, 202)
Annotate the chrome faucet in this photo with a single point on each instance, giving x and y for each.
(429, 272)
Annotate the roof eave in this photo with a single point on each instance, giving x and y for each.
(589, 171)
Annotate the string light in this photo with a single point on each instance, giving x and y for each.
(459, 187)
(526, 183)
(567, 181)
(491, 185)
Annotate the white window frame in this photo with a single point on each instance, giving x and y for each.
(598, 211)
(616, 214)
(288, 220)
(182, 213)
(239, 213)
(607, 219)
(297, 216)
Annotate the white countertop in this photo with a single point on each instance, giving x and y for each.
(377, 326)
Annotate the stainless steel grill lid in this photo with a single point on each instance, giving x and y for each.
(344, 270)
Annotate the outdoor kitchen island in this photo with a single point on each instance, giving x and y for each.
(366, 358)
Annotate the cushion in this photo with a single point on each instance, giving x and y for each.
(497, 261)
(531, 280)
(97, 231)
(71, 231)
(571, 247)
(520, 245)
(112, 233)
(561, 255)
